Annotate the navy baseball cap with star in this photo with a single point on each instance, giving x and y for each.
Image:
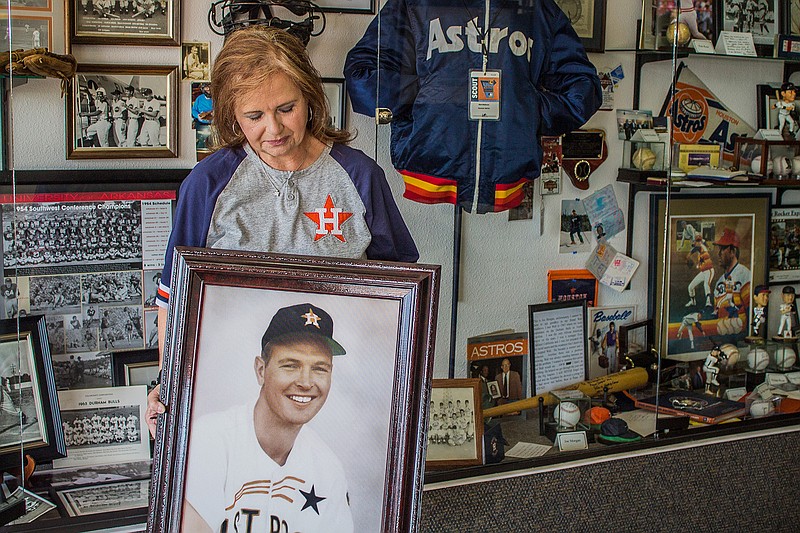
(302, 318)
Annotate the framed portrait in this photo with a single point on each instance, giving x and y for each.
(138, 367)
(365, 7)
(761, 19)
(330, 350)
(572, 284)
(455, 424)
(716, 253)
(154, 23)
(588, 18)
(30, 415)
(557, 333)
(494, 389)
(27, 31)
(791, 17)
(32, 5)
(784, 248)
(337, 98)
(767, 97)
(657, 15)
(123, 111)
(196, 62)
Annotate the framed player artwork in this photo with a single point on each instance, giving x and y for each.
(116, 112)
(27, 31)
(716, 253)
(700, 17)
(588, 18)
(784, 244)
(761, 18)
(30, 416)
(137, 22)
(293, 367)
(455, 424)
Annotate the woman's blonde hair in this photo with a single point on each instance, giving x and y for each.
(249, 57)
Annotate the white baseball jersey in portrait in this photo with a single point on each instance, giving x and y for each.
(235, 486)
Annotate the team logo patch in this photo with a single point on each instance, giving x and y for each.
(329, 220)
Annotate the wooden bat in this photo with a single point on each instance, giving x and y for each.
(627, 379)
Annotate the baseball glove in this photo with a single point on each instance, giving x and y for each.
(40, 62)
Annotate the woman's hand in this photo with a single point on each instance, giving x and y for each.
(154, 409)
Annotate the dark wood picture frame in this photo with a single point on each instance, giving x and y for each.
(84, 27)
(122, 363)
(630, 337)
(588, 18)
(82, 109)
(49, 443)
(398, 294)
(711, 216)
(455, 445)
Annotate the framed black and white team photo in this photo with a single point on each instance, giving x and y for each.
(334, 349)
(117, 111)
(138, 22)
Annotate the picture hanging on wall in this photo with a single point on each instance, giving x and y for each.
(588, 19)
(26, 32)
(716, 254)
(347, 6)
(32, 5)
(335, 93)
(151, 23)
(123, 111)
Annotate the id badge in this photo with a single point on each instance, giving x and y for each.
(484, 95)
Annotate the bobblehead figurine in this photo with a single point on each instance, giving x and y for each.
(711, 368)
(786, 110)
(759, 319)
(788, 324)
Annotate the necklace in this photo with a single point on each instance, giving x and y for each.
(289, 177)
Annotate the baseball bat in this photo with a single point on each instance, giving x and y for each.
(619, 381)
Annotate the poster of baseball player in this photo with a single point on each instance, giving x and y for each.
(784, 245)
(711, 262)
(293, 399)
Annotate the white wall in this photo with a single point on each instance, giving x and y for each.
(504, 264)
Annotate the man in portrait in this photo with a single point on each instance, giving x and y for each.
(258, 466)
(510, 383)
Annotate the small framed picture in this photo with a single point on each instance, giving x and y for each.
(494, 389)
(32, 5)
(334, 91)
(588, 19)
(138, 367)
(635, 340)
(455, 424)
(196, 63)
(26, 31)
(123, 111)
(28, 393)
(766, 113)
(629, 121)
(784, 248)
(761, 19)
(141, 22)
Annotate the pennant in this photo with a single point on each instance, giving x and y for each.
(698, 116)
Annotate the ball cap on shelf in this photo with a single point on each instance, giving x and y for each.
(616, 430)
(596, 416)
(728, 238)
(302, 318)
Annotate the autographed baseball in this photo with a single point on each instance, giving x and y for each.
(644, 159)
(761, 408)
(755, 165)
(732, 352)
(684, 34)
(782, 165)
(785, 357)
(567, 414)
(757, 359)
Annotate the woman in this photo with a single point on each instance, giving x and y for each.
(280, 179)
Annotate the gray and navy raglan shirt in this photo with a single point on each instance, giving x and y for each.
(340, 206)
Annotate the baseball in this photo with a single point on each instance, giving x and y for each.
(684, 35)
(755, 166)
(757, 359)
(796, 166)
(644, 159)
(782, 166)
(785, 357)
(567, 414)
(761, 408)
(732, 352)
